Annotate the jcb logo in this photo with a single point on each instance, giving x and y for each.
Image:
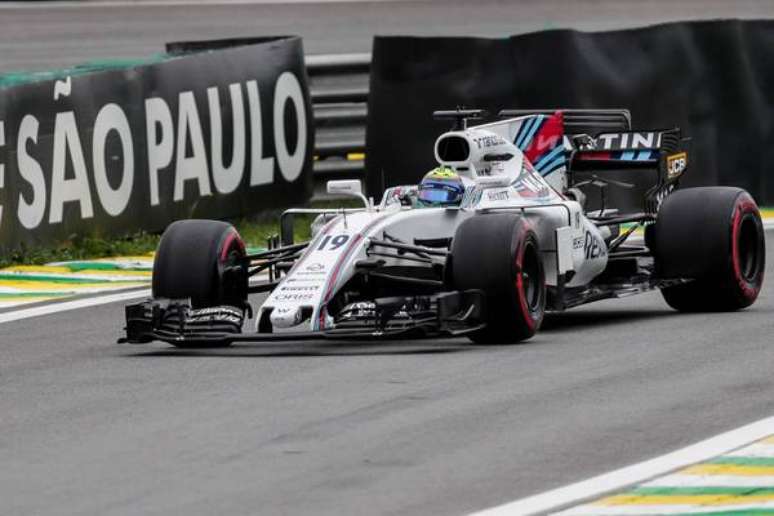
(676, 164)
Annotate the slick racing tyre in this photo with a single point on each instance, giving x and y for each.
(499, 255)
(714, 236)
(201, 260)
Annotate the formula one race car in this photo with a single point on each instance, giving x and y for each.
(516, 222)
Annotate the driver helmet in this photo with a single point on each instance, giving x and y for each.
(442, 186)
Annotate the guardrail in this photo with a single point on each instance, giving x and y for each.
(339, 91)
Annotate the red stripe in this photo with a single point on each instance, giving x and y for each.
(548, 137)
(593, 155)
(337, 268)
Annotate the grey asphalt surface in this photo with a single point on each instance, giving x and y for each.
(91, 427)
(42, 34)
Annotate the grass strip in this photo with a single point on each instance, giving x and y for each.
(254, 230)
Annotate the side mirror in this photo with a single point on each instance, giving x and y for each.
(347, 188)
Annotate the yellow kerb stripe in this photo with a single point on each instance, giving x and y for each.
(729, 469)
(707, 499)
(64, 270)
(30, 286)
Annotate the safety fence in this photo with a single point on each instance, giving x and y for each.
(339, 92)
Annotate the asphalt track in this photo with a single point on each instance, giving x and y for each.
(91, 427)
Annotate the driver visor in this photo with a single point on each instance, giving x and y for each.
(438, 193)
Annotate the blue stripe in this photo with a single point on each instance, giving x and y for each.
(628, 156)
(532, 130)
(554, 165)
(550, 156)
(522, 131)
(643, 155)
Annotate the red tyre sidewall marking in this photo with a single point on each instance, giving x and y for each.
(226, 245)
(744, 206)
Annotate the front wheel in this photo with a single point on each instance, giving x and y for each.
(499, 255)
(201, 260)
(714, 236)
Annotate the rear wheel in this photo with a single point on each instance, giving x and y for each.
(499, 255)
(713, 235)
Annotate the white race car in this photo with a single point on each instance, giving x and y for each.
(531, 232)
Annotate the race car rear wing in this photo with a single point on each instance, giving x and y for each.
(578, 121)
(662, 153)
(597, 140)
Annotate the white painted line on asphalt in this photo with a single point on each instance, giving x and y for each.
(64, 306)
(87, 302)
(636, 473)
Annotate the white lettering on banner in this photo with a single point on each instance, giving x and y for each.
(30, 214)
(288, 88)
(227, 179)
(160, 136)
(261, 169)
(112, 118)
(68, 190)
(192, 167)
(176, 143)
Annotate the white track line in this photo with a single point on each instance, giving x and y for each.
(636, 473)
(64, 306)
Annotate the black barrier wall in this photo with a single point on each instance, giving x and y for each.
(713, 79)
(221, 129)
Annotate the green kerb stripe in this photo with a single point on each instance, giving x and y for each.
(102, 266)
(749, 512)
(743, 461)
(691, 491)
(61, 279)
(22, 295)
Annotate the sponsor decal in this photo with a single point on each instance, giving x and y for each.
(483, 142)
(592, 247)
(578, 242)
(315, 267)
(676, 164)
(500, 195)
(636, 140)
(294, 297)
(300, 288)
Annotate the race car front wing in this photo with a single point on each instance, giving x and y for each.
(446, 314)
